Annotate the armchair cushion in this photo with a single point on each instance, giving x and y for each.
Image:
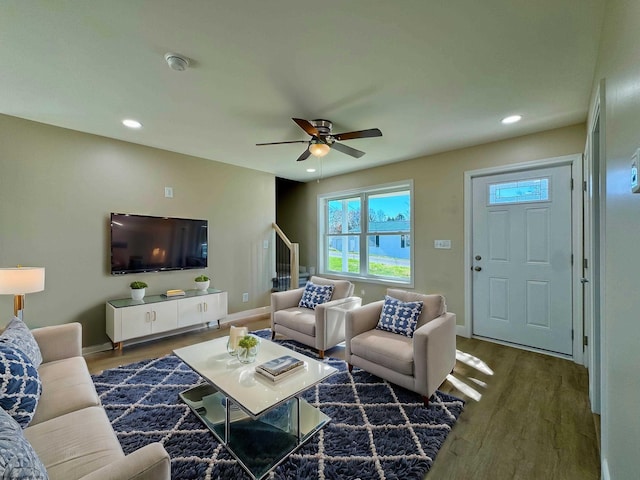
(299, 319)
(399, 317)
(315, 295)
(385, 348)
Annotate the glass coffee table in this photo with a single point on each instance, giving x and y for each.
(260, 422)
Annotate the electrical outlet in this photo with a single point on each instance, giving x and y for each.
(362, 292)
(245, 297)
(168, 192)
(265, 244)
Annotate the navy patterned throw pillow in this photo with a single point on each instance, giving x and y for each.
(399, 317)
(17, 459)
(20, 385)
(18, 335)
(314, 295)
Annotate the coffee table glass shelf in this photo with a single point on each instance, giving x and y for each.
(260, 422)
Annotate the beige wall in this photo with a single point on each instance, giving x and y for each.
(438, 205)
(57, 188)
(619, 66)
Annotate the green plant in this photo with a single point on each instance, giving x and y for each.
(248, 341)
(202, 278)
(138, 285)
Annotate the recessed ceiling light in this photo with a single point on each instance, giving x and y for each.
(511, 119)
(128, 122)
(311, 170)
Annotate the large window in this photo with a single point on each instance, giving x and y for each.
(367, 233)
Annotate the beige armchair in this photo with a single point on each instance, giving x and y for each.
(321, 328)
(420, 363)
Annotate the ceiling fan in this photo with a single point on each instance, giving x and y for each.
(322, 140)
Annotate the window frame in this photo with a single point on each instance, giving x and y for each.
(364, 193)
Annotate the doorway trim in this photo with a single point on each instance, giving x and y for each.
(575, 161)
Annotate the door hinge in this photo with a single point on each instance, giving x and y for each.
(584, 186)
(571, 184)
(585, 341)
(572, 259)
(585, 263)
(571, 334)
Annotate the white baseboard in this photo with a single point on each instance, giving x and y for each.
(234, 317)
(605, 470)
(103, 347)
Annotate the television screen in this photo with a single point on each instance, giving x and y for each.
(141, 243)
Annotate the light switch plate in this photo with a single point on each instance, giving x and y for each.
(442, 244)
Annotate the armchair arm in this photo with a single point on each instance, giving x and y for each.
(150, 462)
(434, 352)
(330, 320)
(59, 341)
(360, 320)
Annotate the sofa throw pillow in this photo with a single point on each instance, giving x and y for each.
(17, 457)
(20, 385)
(19, 335)
(399, 317)
(314, 295)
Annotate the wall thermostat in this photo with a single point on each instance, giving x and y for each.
(635, 188)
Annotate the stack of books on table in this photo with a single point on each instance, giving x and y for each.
(174, 293)
(280, 368)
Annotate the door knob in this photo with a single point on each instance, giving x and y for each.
(477, 269)
(478, 257)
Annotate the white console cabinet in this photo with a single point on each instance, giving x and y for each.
(128, 319)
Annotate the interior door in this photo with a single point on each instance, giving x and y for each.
(522, 291)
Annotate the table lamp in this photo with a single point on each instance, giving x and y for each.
(20, 280)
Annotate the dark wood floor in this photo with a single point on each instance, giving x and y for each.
(527, 415)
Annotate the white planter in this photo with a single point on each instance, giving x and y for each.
(203, 285)
(137, 293)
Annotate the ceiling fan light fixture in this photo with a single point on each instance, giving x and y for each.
(319, 149)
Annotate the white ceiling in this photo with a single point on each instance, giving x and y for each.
(433, 75)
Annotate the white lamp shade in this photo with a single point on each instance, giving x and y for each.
(21, 280)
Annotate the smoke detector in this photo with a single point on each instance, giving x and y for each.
(176, 61)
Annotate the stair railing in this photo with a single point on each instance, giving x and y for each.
(287, 260)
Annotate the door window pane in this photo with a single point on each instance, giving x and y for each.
(523, 191)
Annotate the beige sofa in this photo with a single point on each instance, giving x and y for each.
(70, 431)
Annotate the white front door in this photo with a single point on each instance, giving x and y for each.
(521, 251)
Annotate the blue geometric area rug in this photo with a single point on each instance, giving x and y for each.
(377, 430)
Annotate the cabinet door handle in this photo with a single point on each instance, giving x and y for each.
(205, 307)
(154, 315)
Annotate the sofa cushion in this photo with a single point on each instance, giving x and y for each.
(301, 320)
(18, 334)
(315, 295)
(432, 305)
(399, 317)
(75, 444)
(20, 385)
(58, 379)
(386, 349)
(17, 457)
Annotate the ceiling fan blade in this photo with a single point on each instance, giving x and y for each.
(372, 132)
(306, 126)
(304, 155)
(280, 143)
(348, 150)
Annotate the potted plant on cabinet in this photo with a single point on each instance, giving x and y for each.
(202, 282)
(138, 290)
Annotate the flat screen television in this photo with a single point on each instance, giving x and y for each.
(142, 243)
